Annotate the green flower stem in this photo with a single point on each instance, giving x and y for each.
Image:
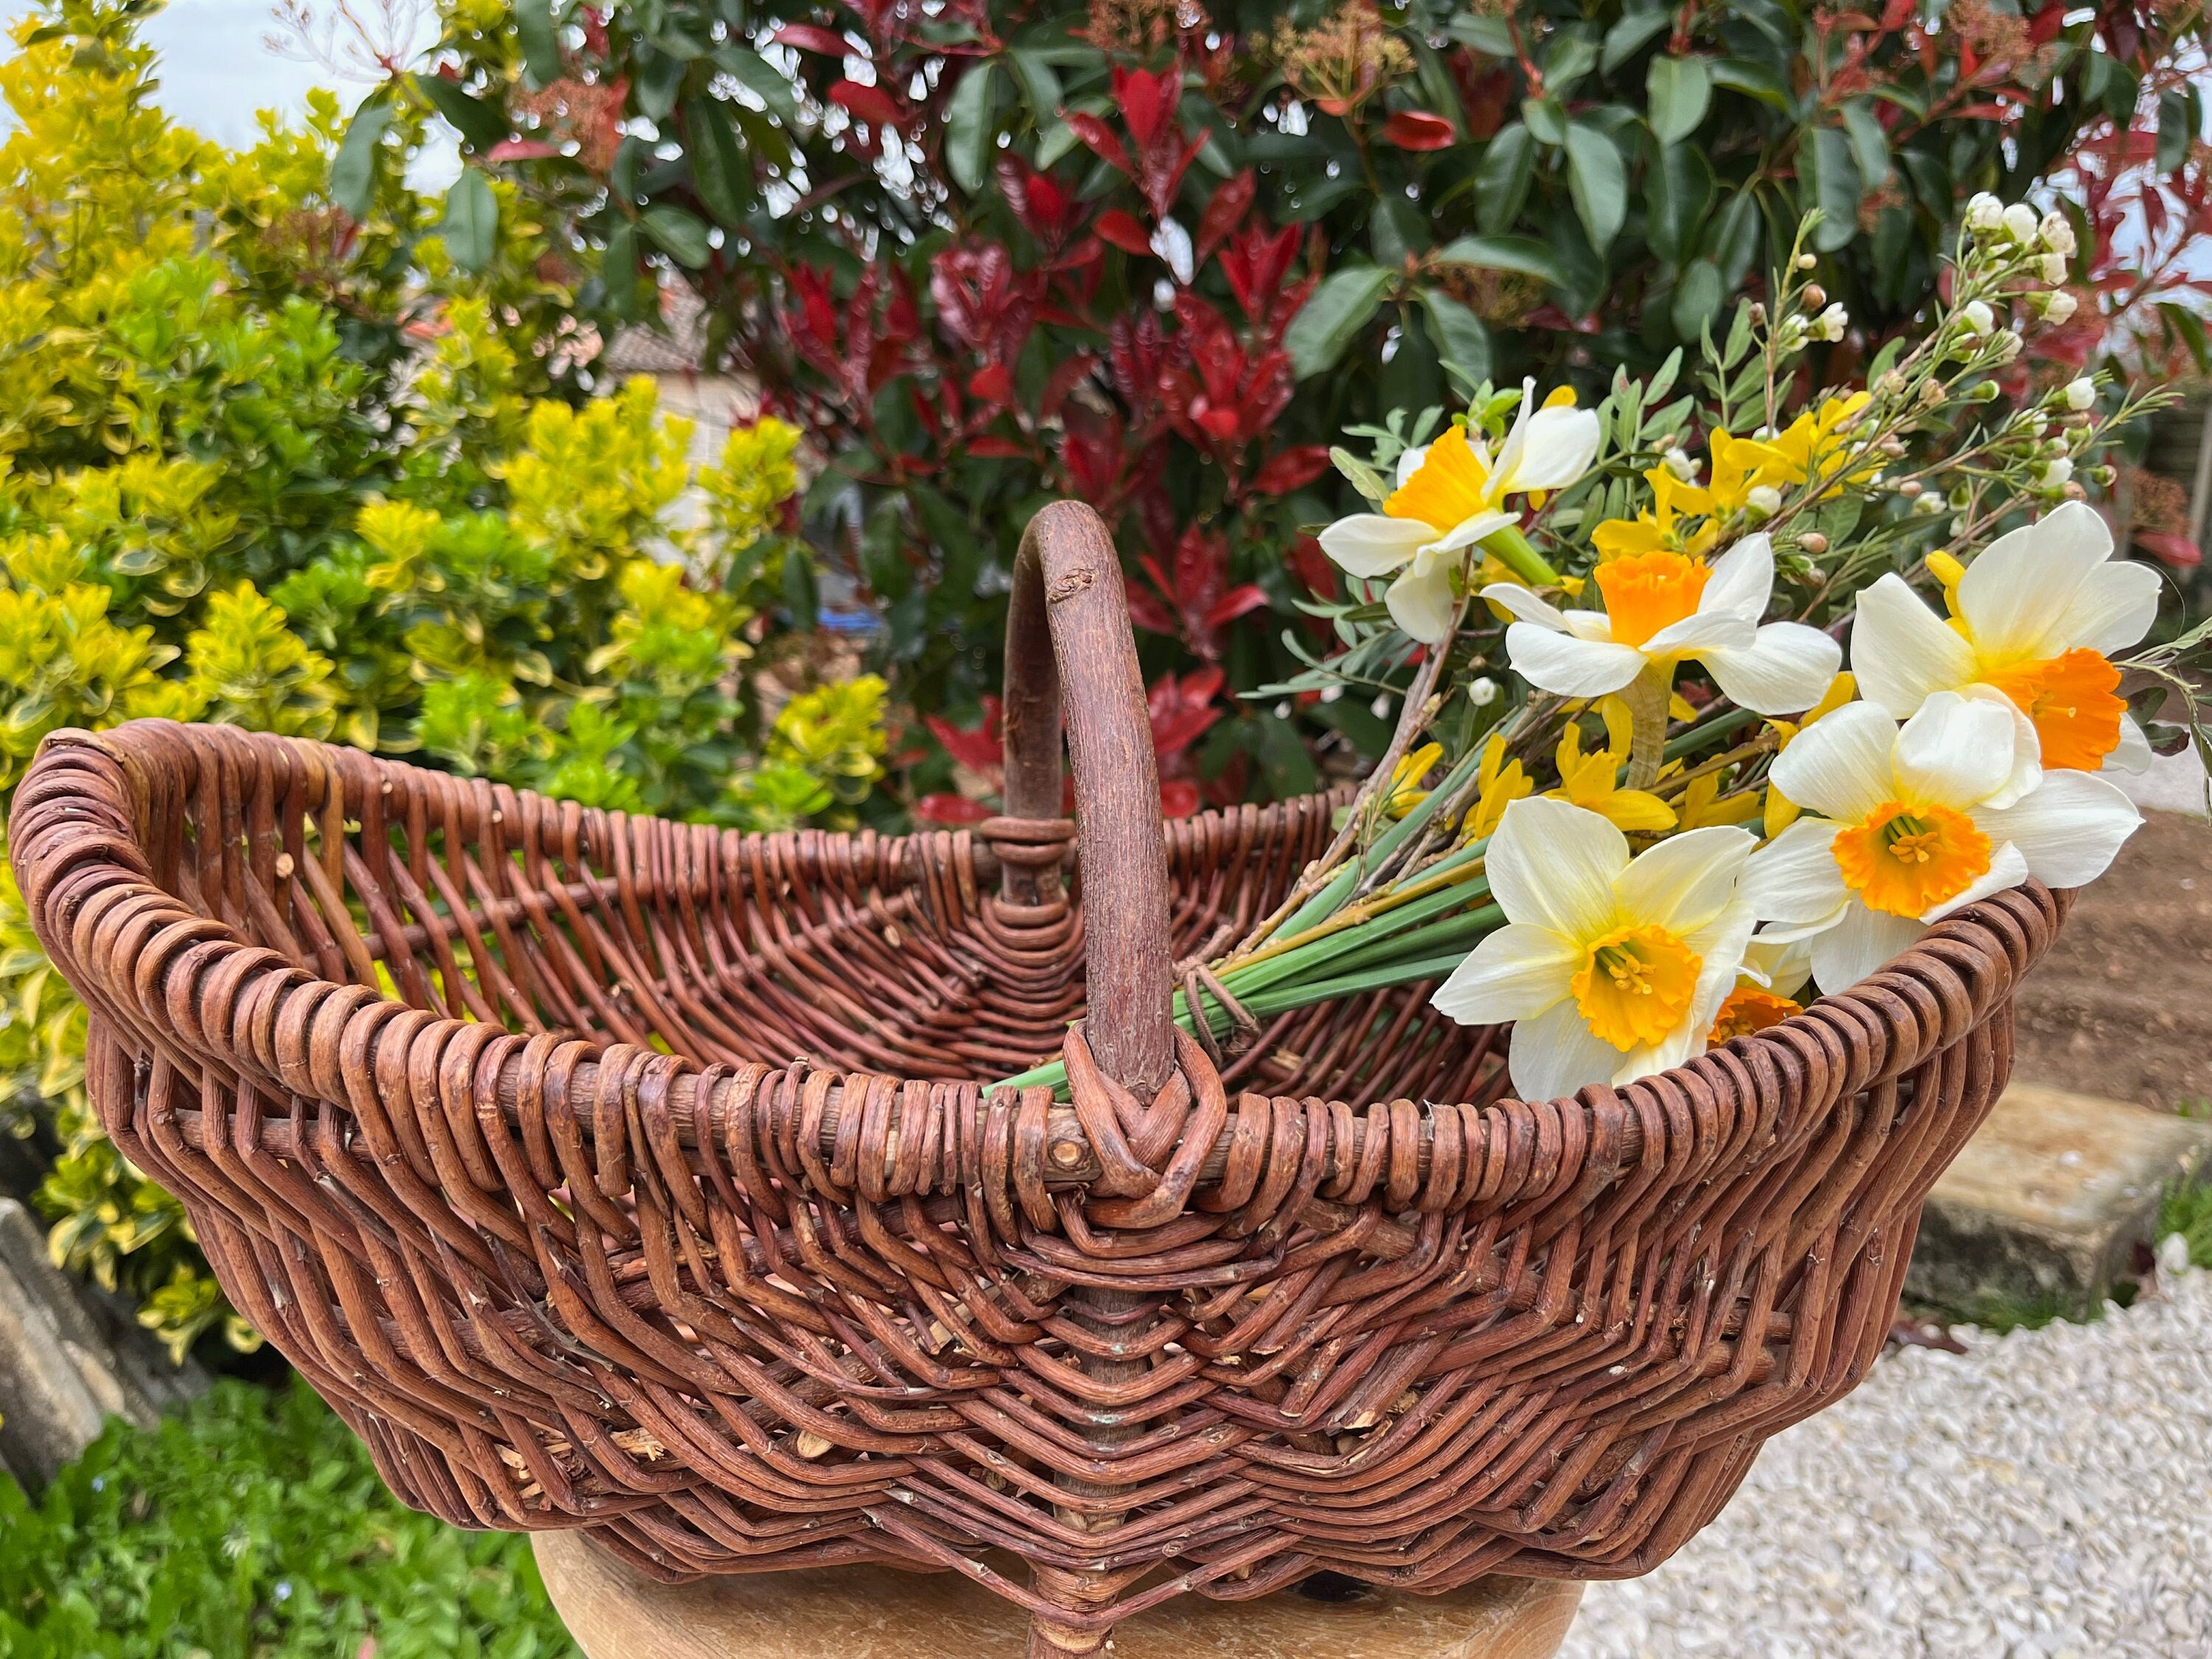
(1518, 555)
(1706, 733)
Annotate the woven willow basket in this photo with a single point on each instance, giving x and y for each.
(611, 1173)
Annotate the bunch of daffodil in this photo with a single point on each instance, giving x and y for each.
(1452, 496)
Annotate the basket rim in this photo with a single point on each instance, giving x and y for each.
(73, 825)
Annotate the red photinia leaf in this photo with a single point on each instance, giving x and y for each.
(1313, 567)
(2169, 547)
(1237, 602)
(1148, 101)
(1099, 137)
(1151, 613)
(870, 104)
(977, 748)
(996, 449)
(994, 385)
(1178, 798)
(1414, 129)
(982, 301)
(808, 37)
(521, 149)
(1290, 468)
(954, 811)
(1123, 231)
(1226, 211)
(1182, 709)
(1255, 261)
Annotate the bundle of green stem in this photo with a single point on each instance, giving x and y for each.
(1399, 899)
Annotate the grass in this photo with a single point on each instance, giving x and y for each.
(251, 1526)
(2187, 1210)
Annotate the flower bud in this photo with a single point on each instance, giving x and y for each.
(1677, 461)
(1806, 262)
(2056, 474)
(2081, 394)
(2059, 306)
(1766, 500)
(1482, 692)
(2057, 231)
(1984, 391)
(2055, 269)
(1333, 692)
(2074, 492)
(1978, 318)
(1816, 296)
(2007, 345)
(1831, 323)
(1814, 542)
(1984, 212)
(2021, 224)
(1911, 488)
(1932, 393)
(1928, 506)
(1893, 384)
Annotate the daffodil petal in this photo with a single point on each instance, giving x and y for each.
(1794, 880)
(1956, 752)
(1572, 667)
(2134, 754)
(1902, 652)
(1554, 864)
(2070, 827)
(1557, 1053)
(2113, 608)
(1699, 632)
(1839, 766)
(1409, 462)
(1742, 581)
(1686, 880)
(1782, 965)
(1525, 605)
(2016, 596)
(2027, 746)
(1468, 532)
(1421, 602)
(1371, 545)
(1547, 450)
(2007, 869)
(1859, 943)
(1784, 669)
(1516, 973)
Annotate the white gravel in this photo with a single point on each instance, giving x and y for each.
(2049, 1494)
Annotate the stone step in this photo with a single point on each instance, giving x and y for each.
(2042, 1213)
(69, 1359)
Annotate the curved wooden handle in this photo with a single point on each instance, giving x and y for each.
(1068, 638)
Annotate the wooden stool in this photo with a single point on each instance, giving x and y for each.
(877, 1613)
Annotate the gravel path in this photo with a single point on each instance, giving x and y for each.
(2047, 1494)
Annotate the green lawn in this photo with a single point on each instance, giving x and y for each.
(252, 1526)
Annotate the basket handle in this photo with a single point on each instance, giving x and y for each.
(1068, 641)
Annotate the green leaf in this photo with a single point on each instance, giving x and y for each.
(2190, 327)
(1829, 181)
(480, 126)
(1459, 337)
(1502, 182)
(1599, 184)
(1491, 36)
(1283, 758)
(1869, 143)
(719, 172)
(679, 235)
(1571, 54)
(1752, 79)
(1696, 298)
(1547, 119)
(1679, 190)
(755, 73)
(353, 170)
(1680, 90)
(2177, 125)
(1626, 37)
(968, 128)
(1337, 310)
(1523, 254)
(470, 226)
(1039, 85)
(541, 49)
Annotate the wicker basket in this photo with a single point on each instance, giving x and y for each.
(611, 1173)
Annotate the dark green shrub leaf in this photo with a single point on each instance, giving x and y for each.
(1338, 309)
(353, 171)
(470, 224)
(1598, 182)
(677, 233)
(541, 51)
(969, 129)
(1680, 90)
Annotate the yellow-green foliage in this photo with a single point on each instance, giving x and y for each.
(266, 461)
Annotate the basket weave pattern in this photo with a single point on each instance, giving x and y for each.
(607, 1172)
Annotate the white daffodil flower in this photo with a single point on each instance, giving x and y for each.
(2034, 622)
(1450, 495)
(1610, 968)
(1905, 825)
(1661, 608)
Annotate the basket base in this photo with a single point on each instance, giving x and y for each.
(879, 1613)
